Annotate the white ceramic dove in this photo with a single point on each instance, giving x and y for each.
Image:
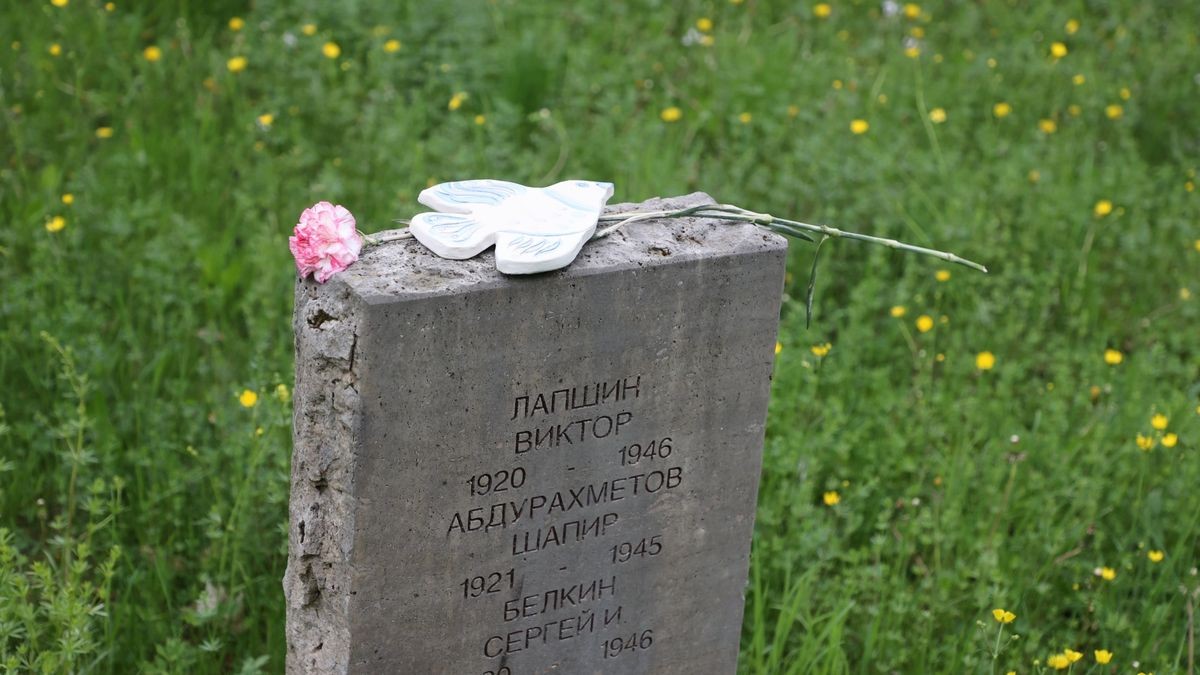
(533, 229)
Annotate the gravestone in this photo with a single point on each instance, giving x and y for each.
(498, 475)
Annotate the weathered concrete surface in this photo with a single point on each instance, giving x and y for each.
(464, 492)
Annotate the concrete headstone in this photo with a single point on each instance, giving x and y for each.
(514, 475)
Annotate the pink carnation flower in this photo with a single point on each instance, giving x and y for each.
(325, 241)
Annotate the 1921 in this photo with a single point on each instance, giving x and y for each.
(473, 587)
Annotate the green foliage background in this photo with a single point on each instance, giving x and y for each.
(143, 509)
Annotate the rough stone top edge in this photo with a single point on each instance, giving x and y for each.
(405, 270)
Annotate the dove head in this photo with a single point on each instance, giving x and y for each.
(585, 194)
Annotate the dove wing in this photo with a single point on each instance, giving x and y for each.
(460, 196)
(456, 236)
(518, 253)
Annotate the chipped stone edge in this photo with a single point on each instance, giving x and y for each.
(326, 423)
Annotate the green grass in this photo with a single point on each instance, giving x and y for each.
(144, 509)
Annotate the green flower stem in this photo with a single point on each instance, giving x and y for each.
(377, 238)
(782, 225)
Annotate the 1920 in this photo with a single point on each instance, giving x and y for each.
(500, 481)
(628, 550)
(473, 587)
(636, 452)
(620, 645)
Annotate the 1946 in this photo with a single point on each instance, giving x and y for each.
(619, 645)
(636, 452)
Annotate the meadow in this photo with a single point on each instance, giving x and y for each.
(941, 443)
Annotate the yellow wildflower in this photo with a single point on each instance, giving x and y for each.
(778, 347)
(1047, 126)
(912, 52)
(236, 65)
(391, 46)
(1072, 26)
(152, 53)
(1113, 357)
(1169, 440)
(1103, 656)
(1102, 208)
(282, 393)
(104, 132)
(924, 323)
(821, 351)
(480, 120)
(822, 10)
(1107, 574)
(1074, 110)
(1159, 421)
(266, 119)
(68, 199)
(985, 360)
(704, 24)
(309, 29)
(331, 50)
(1079, 79)
(1125, 94)
(56, 224)
(1155, 556)
(898, 311)
(831, 498)
(1185, 293)
(942, 275)
(1001, 110)
(1058, 662)
(1003, 615)
(1114, 111)
(912, 10)
(236, 24)
(793, 110)
(109, 6)
(59, 3)
(937, 115)
(456, 100)
(859, 127)
(1058, 50)
(55, 49)
(745, 118)
(1146, 443)
(248, 398)
(671, 114)
(1034, 175)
